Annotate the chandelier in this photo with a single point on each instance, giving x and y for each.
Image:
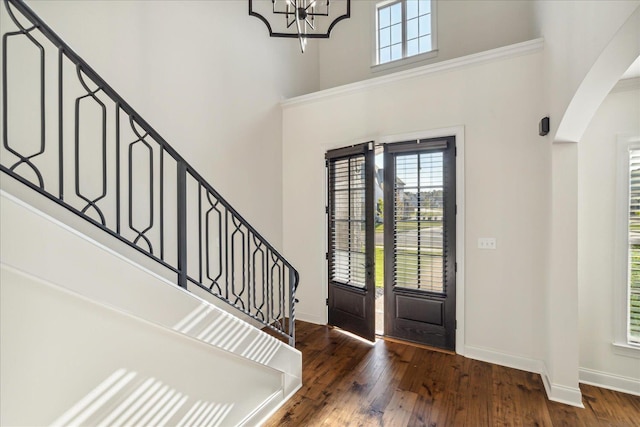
(301, 19)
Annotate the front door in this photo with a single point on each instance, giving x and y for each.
(419, 239)
(351, 240)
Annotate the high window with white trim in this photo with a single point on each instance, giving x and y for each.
(404, 28)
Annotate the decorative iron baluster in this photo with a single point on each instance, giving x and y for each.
(60, 125)
(214, 280)
(182, 223)
(276, 271)
(141, 139)
(237, 300)
(293, 280)
(258, 250)
(162, 203)
(91, 94)
(200, 232)
(23, 159)
(239, 263)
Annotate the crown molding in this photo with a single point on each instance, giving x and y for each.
(500, 53)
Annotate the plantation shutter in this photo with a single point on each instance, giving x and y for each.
(418, 219)
(347, 220)
(634, 245)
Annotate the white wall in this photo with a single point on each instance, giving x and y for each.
(506, 178)
(207, 77)
(561, 290)
(59, 350)
(464, 27)
(575, 33)
(597, 154)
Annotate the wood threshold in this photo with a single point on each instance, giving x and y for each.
(415, 344)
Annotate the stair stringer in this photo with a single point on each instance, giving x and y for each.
(35, 242)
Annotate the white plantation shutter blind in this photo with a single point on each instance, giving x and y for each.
(634, 245)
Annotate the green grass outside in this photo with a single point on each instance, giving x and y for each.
(634, 302)
(409, 226)
(379, 266)
(379, 253)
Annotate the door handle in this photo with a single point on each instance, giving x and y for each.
(369, 268)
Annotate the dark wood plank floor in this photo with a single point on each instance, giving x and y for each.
(347, 382)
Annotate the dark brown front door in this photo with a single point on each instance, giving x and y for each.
(351, 240)
(419, 240)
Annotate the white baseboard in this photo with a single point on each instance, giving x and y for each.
(610, 381)
(555, 392)
(273, 410)
(503, 359)
(560, 393)
(311, 318)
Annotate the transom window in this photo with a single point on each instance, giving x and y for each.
(404, 28)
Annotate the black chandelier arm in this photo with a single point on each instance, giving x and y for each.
(280, 12)
(292, 14)
(347, 15)
(310, 23)
(317, 13)
(290, 23)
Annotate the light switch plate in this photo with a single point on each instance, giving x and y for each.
(487, 243)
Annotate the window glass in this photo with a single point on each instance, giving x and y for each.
(425, 25)
(425, 6)
(385, 37)
(404, 29)
(396, 13)
(412, 29)
(384, 17)
(412, 9)
(425, 44)
(396, 34)
(412, 47)
(396, 52)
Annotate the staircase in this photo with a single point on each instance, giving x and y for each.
(132, 292)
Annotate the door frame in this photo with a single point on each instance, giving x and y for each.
(459, 133)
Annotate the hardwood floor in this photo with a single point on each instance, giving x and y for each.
(347, 382)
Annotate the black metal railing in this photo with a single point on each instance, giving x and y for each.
(68, 135)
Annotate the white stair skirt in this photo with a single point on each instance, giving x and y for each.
(149, 351)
